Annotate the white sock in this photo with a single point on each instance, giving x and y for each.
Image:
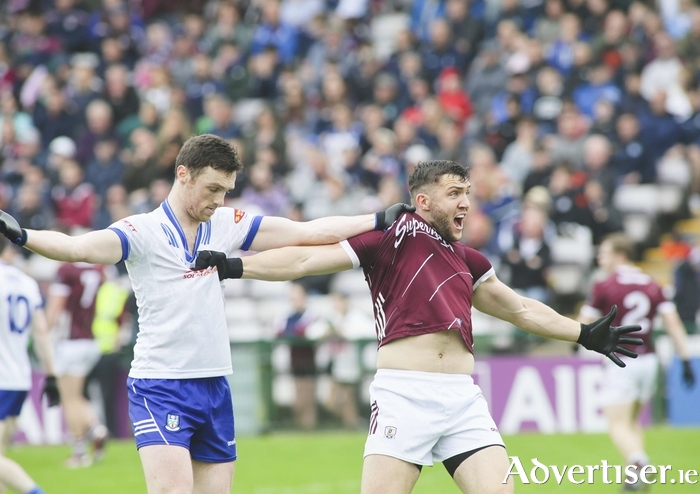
(638, 457)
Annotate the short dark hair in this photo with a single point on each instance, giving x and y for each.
(205, 150)
(430, 172)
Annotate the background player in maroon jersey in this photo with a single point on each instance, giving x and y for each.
(639, 300)
(425, 405)
(74, 292)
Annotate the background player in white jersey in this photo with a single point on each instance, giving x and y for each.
(425, 405)
(639, 299)
(179, 400)
(20, 312)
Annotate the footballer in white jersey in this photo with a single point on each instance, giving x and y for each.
(182, 324)
(19, 298)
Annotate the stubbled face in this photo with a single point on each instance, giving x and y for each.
(206, 192)
(448, 203)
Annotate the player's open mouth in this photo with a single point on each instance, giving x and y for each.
(459, 221)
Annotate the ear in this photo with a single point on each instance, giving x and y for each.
(422, 201)
(182, 173)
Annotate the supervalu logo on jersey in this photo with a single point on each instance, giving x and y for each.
(172, 422)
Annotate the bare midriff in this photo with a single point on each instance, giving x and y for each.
(443, 351)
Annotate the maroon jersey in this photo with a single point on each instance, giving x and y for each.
(79, 282)
(638, 298)
(419, 282)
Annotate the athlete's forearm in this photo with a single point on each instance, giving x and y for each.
(290, 263)
(100, 247)
(333, 229)
(539, 319)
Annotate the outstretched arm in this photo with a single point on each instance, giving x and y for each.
(276, 232)
(100, 247)
(498, 300)
(42, 341)
(288, 263)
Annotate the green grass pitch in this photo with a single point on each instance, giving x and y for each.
(330, 463)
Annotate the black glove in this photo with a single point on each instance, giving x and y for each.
(11, 229)
(600, 337)
(51, 391)
(384, 219)
(688, 374)
(231, 267)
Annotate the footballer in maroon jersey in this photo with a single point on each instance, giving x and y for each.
(425, 407)
(75, 292)
(78, 283)
(639, 299)
(428, 290)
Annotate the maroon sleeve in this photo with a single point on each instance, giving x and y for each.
(478, 264)
(365, 246)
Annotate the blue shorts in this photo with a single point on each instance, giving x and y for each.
(11, 403)
(196, 414)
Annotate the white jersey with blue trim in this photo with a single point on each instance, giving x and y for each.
(182, 324)
(19, 298)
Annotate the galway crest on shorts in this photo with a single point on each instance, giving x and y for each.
(172, 423)
(390, 432)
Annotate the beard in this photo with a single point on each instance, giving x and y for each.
(442, 222)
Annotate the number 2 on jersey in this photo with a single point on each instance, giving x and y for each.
(638, 305)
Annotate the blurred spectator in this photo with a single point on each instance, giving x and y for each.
(541, 170)
(603, 218)
(454, 101)
(200, 85)
(687, 285)
(105, 169)
(528, 258)
(73, 199)
(631, 161)
(440, 53)
(567, 143)
(548, 102)
(142, 161)
(228, 28)
(340, 331)
(486, 78)
(600, 86)
(467, 31)
(273, 32)
(262, 194)
(547, 27)
(597, 154)
(293, 331)
(660, 130)
(663, 74)
(55, 115)
(119, 93)
(100, 124)
(518, 156)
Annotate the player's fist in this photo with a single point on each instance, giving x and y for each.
(384, 219)
(51, 391)
(600, 337)
(231, 267)
(688, 374)
(11, 229)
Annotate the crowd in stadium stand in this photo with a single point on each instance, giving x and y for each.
(554, 104)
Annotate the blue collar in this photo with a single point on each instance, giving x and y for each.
(173, 219)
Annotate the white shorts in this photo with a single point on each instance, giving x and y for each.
(422, 417)
(636, 382)
(76, 357)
